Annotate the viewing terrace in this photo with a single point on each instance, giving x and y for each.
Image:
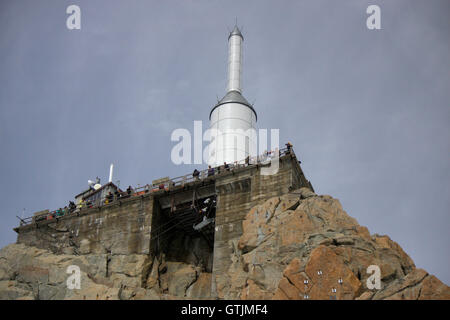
(163, 186)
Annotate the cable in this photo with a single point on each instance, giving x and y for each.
(160, 234)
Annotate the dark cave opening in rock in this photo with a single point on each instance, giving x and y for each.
(185, 232)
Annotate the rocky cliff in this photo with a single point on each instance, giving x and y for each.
(297, 246)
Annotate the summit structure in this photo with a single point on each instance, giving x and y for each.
(233, 118)
(229, 232)
(184, 229)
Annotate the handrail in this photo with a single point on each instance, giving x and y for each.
(151, 188)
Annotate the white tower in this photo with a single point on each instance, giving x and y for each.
(233, 119)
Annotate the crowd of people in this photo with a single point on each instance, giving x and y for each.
(264, 158)
(117, 195)
(84, 203)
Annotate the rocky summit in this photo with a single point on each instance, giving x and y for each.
(297, 246)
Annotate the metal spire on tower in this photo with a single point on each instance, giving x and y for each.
(235, 59)
(233, 117)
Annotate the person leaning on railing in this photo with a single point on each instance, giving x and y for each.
(59, 212)
(109, 198)
(81, 204)
(72, 206)
(129, 190)
(196, 174)
(288, 147)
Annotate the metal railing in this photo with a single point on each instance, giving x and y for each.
(170, 184)
(205, 174)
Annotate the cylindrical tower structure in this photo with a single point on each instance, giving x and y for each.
(234, 60)
(233, 119)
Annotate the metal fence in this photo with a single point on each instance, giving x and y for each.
(170, 184)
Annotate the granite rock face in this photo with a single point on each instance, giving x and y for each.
(305, 246)
(297, 246)
(31, 273)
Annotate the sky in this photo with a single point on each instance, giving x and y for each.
(367, 111)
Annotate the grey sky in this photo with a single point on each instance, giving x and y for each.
(367, 111)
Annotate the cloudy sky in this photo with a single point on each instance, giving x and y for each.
(367, 111)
